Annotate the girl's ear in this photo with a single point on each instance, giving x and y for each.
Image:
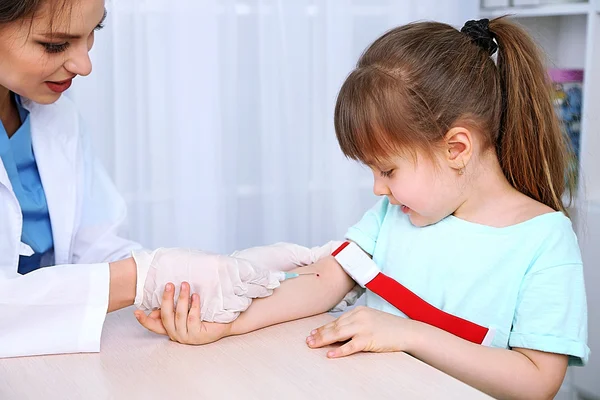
(459, 148)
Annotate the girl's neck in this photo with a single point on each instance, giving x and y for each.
(493, 201)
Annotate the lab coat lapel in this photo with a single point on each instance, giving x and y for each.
(54, 139)
(4, 176)
(4, 180)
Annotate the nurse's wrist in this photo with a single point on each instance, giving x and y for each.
(143, 259)
(123, 280)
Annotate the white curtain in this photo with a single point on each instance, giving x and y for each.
(215, 117)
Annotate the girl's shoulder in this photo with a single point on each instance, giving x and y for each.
(527, 208)
(520, 210)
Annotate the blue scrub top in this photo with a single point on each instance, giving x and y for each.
(19, 162)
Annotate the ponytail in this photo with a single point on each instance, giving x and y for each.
(531, 146)
(416, 81)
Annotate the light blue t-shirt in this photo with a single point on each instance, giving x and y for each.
(525, 280)
(19, 161)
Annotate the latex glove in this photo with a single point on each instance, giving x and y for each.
(287, 256)
(349, 299)
(226, 285)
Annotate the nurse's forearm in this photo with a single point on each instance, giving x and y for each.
(297, 298)
(123, 279)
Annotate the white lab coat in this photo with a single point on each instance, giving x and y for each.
(60, 309)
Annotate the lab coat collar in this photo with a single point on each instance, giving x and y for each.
(54, 135)
(4, 180)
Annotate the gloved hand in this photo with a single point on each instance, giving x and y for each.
(287, 256)
(226, 285)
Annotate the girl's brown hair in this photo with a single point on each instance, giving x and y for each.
(418, 81)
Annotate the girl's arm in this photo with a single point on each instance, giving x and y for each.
(297, 298)
(502, 373)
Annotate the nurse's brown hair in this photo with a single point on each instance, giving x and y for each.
(26, 10)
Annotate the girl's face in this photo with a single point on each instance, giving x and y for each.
(39, 58)
(427, 190)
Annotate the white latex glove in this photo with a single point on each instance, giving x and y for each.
(226, 285)
(287, 256)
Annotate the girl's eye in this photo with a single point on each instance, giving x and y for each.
(55, 47)
(387, 174)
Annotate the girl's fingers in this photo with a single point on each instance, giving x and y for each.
(155, 314)
(331, 333)
(167, 314)
(193, 320)
(151, 322)
(353, 346)
(181, 311)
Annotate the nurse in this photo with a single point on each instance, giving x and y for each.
(63, 263)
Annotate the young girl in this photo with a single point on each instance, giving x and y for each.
(468, 156)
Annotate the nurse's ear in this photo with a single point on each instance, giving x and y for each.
(458, 142)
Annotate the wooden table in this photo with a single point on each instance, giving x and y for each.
(273, 363)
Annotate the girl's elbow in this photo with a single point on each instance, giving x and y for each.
(550, 392)
(547, 389)
(335, 275)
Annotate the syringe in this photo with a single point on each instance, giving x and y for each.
(290, 275)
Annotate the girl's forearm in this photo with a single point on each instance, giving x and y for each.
(297, 298)
(501, 373)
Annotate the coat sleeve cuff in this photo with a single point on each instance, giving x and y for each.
(91, 326)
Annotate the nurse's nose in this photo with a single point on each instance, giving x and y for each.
(79, 63)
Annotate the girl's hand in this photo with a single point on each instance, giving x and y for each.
(366, 329)
(182, 324)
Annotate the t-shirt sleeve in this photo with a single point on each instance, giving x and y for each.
(551, 313)
(366, 231)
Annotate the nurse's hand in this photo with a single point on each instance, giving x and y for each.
(182, 322)
(285, 256)
(226, 284)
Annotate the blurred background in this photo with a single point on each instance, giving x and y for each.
(215, 117)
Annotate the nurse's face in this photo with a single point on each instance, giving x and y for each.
(39, 57)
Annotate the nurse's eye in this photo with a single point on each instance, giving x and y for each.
(387, 174)
(55, 47)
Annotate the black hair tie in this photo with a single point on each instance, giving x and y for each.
(480, 34)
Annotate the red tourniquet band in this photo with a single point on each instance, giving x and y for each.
(416, 308)
(339, 249)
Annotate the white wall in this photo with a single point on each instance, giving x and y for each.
(215, 117)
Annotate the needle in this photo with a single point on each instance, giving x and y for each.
(290, 275)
